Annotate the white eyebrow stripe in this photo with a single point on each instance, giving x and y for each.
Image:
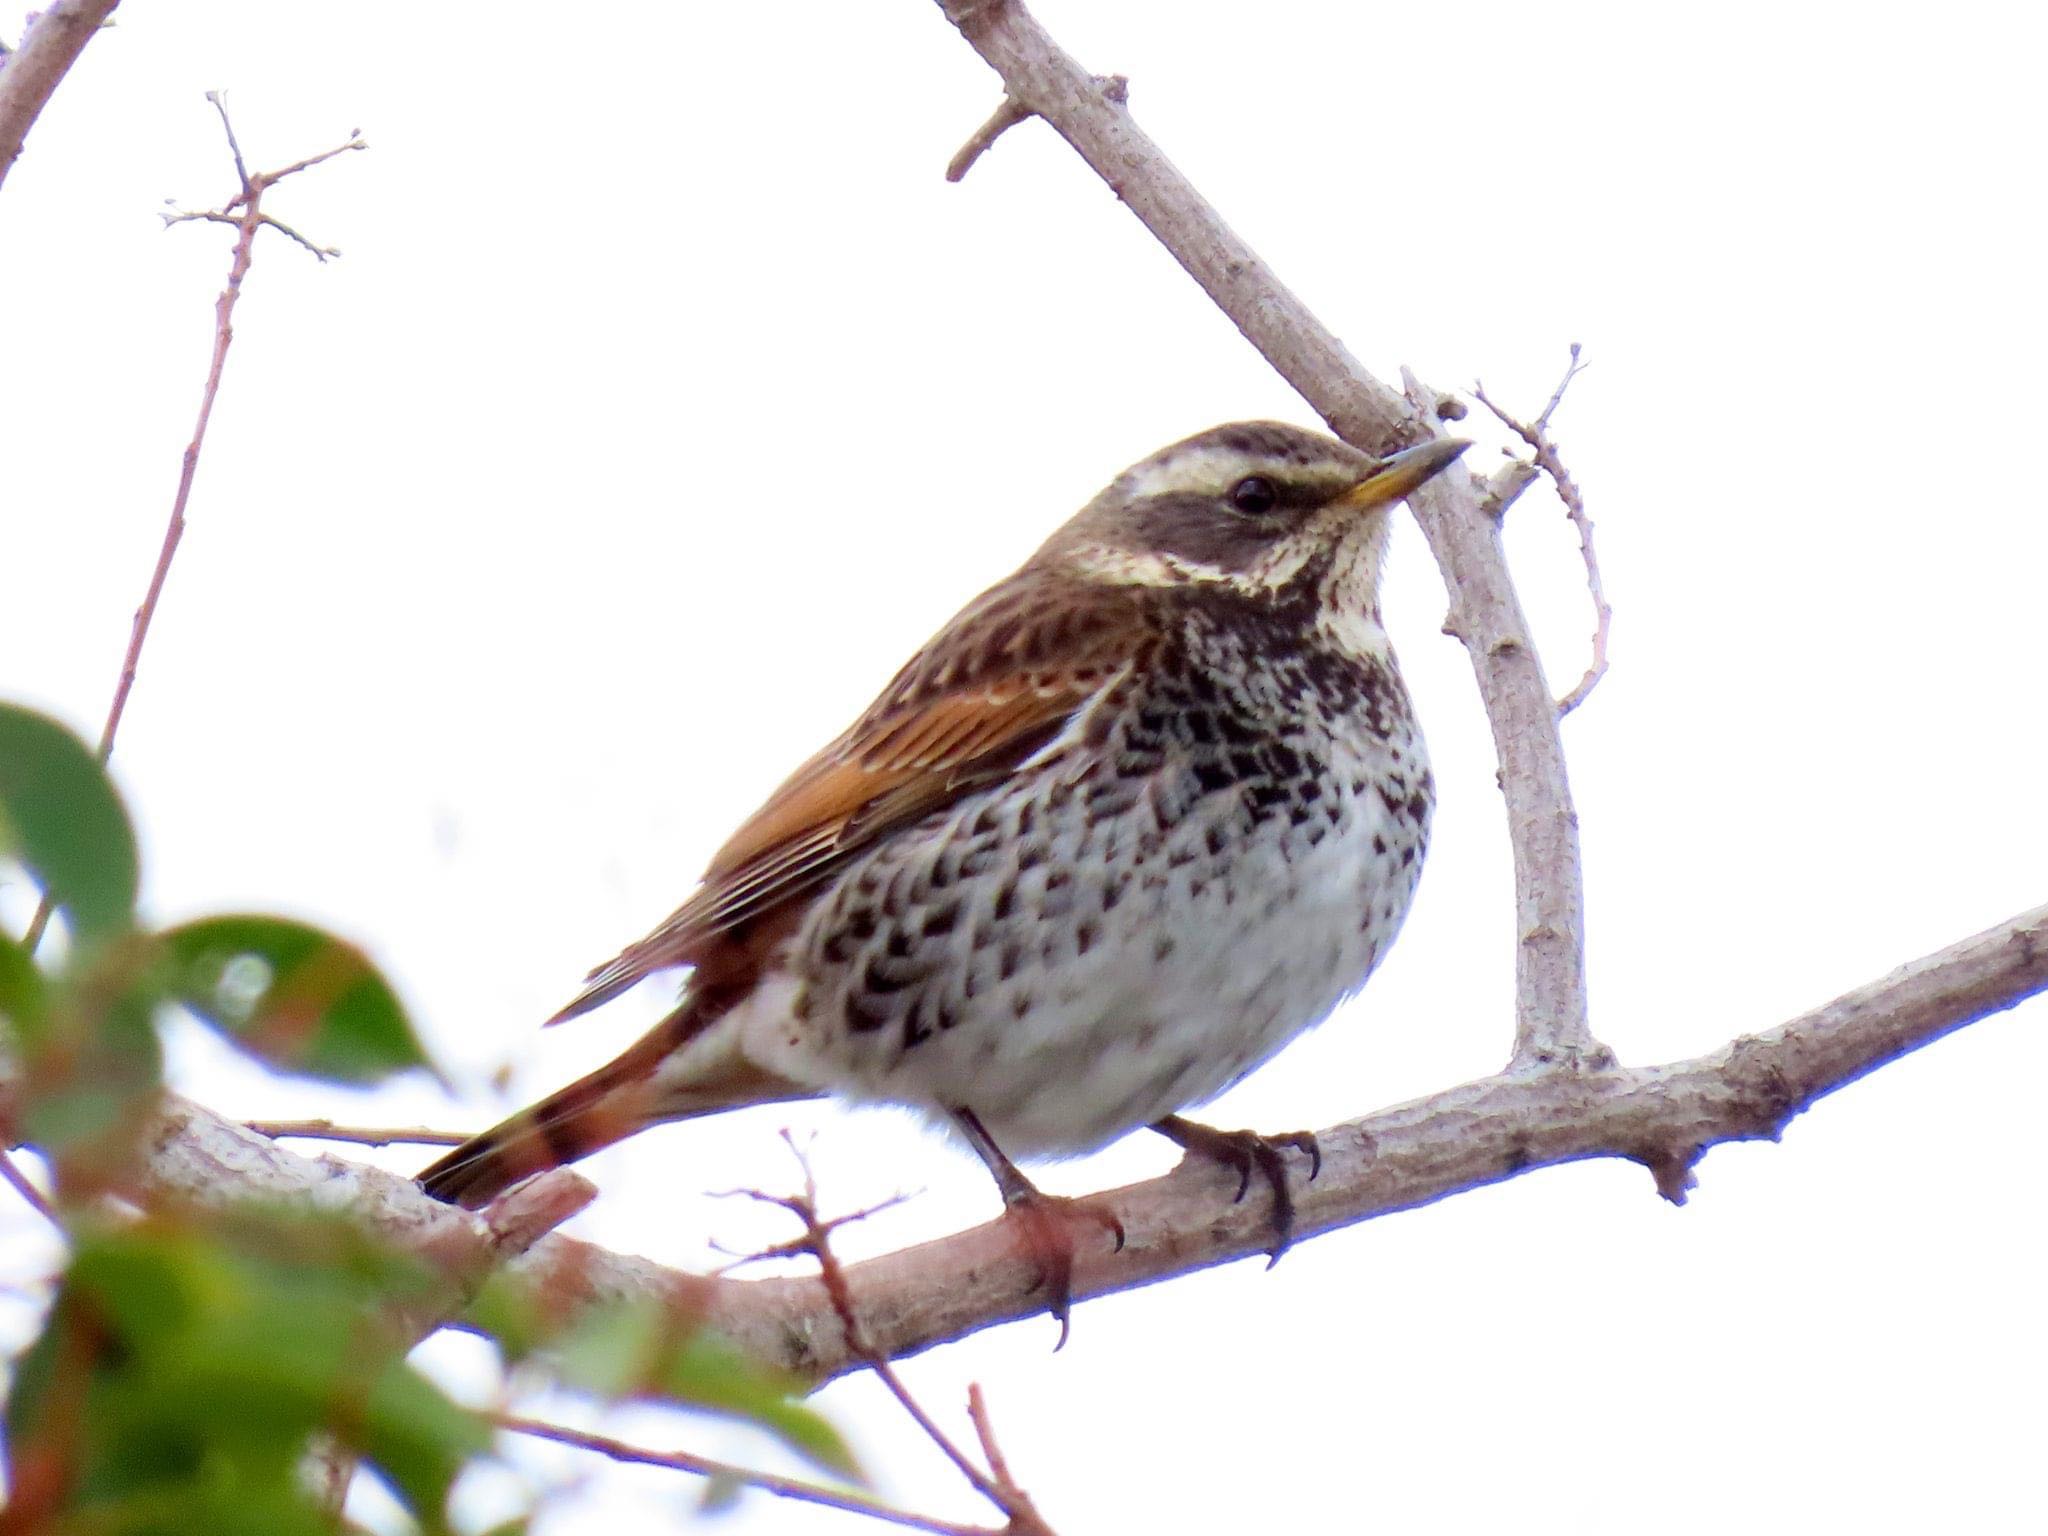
(1197, 469)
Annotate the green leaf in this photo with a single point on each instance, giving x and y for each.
(22, 993)
(514, 1312)
(639, 1348)
(60, 816)
(91, 1065)
(707, 1371)
(297, 997)
(418, 1437)
(190, 1360)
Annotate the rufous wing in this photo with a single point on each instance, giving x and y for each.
(996, 686)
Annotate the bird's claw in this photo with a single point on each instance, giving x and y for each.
(1047, 1222)
(1245, 1151)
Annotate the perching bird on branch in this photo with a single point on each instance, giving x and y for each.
(1137, 817)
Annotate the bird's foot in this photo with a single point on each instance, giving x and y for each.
(1245, 1151)
(1047, 1223)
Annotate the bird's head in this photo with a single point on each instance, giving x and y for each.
(1260, 507)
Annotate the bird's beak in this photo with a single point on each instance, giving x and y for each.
(1400, 474)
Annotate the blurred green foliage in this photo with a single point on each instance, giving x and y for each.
(193, 1359)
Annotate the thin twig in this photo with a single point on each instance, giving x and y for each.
(1008, 114)
(796, 1247)
(998, 1464)
(1505, 485)
(215, 216)
(220, 105)
(12, 1172)
(359, 1135)
(30, 74)
(725, 1471)
(1000, 122)
(251, 219)
(999, 1489)
(1537, 435)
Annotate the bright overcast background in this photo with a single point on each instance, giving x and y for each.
(666, 397)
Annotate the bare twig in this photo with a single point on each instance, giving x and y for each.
(1001, 121)
(251, 219)
(1505, 485)
(725, 1471)
(998, 1464)
(1537, 435)
(12, 1172)
(1009, 114)
(359, 1135)
(30, 74)
(1550, 989)
(215, 216)
(995, 1485)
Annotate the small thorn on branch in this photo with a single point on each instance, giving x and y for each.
(1672, 1169)
(1001, 121)
(1505, 486)
(1116, 89)
(1537, 435)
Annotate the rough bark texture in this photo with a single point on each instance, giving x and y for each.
(28, 76)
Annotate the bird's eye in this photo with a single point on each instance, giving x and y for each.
(1253, 494)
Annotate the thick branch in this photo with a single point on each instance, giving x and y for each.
(1412, 1154)
(197, 1158)
(29, 75)
(1479, 1133)
(1550, 994)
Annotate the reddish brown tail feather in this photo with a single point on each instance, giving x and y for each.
(591, 1113)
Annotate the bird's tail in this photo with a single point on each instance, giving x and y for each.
(682, 1067)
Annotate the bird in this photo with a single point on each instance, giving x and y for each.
(1135, 818)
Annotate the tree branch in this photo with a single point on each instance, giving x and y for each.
(1550, 987)
(30, 74)
(1482, 1132)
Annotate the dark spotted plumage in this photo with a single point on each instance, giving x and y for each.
(1139, 815)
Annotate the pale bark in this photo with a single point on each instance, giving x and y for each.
(31, 73)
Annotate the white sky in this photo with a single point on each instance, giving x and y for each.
(667, 397)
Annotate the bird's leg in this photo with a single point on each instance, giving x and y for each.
(1244, 1151)
(1046, 1220)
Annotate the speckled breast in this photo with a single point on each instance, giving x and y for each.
(1213, 856)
